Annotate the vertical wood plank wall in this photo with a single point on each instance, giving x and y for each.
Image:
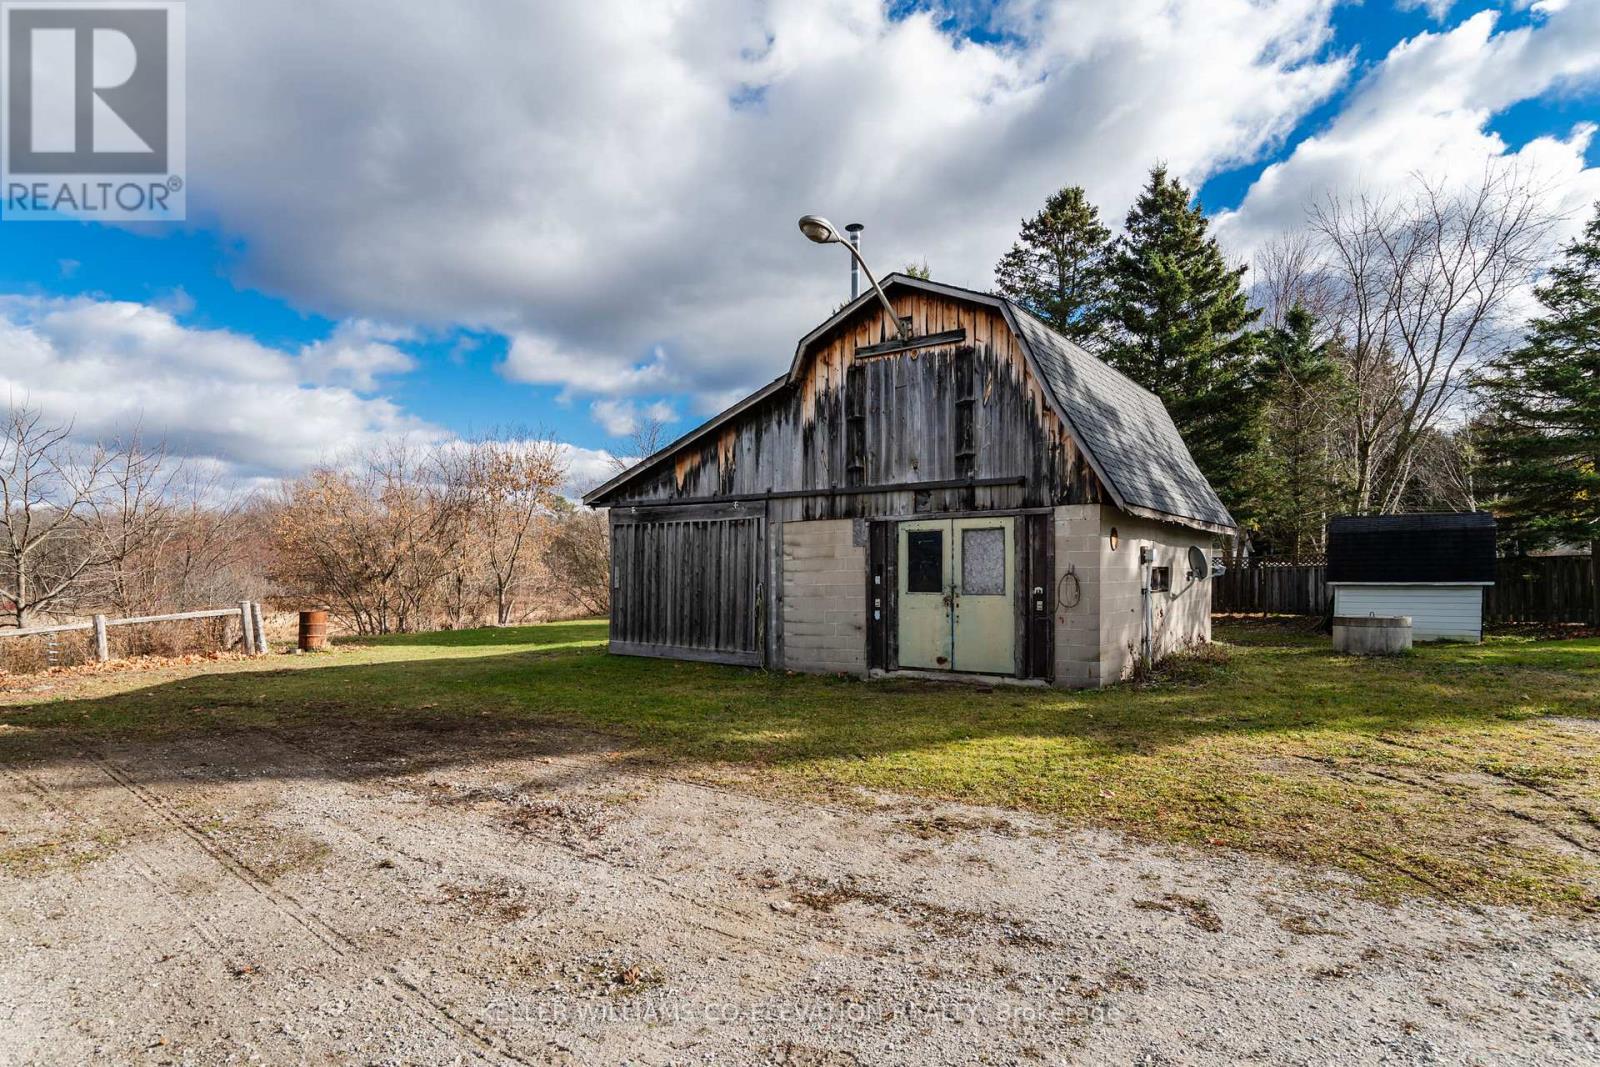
(689, 587)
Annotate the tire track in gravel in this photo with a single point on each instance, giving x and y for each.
(461, 851)
(147, 873)
(285, 903)
(751, 930)
(465, 854)
(437, 1014)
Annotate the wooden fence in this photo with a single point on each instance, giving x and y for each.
(1541, 589)
(1530, 589)
(253, 634)
(1272, 586)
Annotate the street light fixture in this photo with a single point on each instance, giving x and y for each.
(818, 229)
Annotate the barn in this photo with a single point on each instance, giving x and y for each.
(965, 492)
(1432, 567)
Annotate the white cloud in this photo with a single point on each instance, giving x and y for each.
(356, 353)
(215, 397)
(614, 185)
(230, 407)
(1436, 9)
(587, 468)
(619, 418)
(541, 361)
(177, 302)
(1425, 110)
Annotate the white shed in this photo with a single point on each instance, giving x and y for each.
(1432, 567)
(1442, 612)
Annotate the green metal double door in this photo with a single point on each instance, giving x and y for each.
(957, 602)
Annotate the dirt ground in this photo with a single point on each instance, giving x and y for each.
(451, 896)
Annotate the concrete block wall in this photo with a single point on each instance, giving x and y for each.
(824, 598)
(1180, 618)
(1078, 627)
(1097, 642)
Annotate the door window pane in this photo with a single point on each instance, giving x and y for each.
(983, 562)
(925, 561)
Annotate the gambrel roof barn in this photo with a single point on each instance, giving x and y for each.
(983, 498)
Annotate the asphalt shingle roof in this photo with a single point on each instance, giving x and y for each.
(1125, 428)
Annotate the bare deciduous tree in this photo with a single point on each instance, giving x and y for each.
(133, 517)
(1448, 468)
(509, 483)
(649, 436)
(1288, 273)
(213, 551)
(48, 489)
(578, 556)
(374, 538)
(1419, 289)
(176, 539)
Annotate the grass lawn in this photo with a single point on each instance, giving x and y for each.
(1469, 772)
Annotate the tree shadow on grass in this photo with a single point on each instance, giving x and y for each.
(399, 716)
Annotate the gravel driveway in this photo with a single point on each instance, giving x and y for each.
(447, 896)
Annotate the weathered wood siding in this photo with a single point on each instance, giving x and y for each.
(689, 585)
(855, 425)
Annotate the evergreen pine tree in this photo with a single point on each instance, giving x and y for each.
(1178, 322)
(1294, 475)
(1056, 269)
(1543, 398)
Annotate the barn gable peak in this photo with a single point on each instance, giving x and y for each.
(1121, 429)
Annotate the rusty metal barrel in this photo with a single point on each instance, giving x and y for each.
(313, 630)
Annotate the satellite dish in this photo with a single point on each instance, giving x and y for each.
(1199, 566)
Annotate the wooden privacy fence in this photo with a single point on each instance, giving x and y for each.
(1541, 589)
(254, 637)
(1272, 586)
(1526, 589)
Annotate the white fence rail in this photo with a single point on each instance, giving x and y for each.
(250, 624)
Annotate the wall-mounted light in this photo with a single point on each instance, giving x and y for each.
(1115, 540)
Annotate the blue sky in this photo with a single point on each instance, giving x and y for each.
(568, 301)
(191, 271)
(1370, 30)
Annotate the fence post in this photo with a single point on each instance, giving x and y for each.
(102, 647)
(248, 633)
(261, 627)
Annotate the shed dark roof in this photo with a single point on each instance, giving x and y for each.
(1122, 428)
(1451, 547)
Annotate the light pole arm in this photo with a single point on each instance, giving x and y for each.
(899, 327)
